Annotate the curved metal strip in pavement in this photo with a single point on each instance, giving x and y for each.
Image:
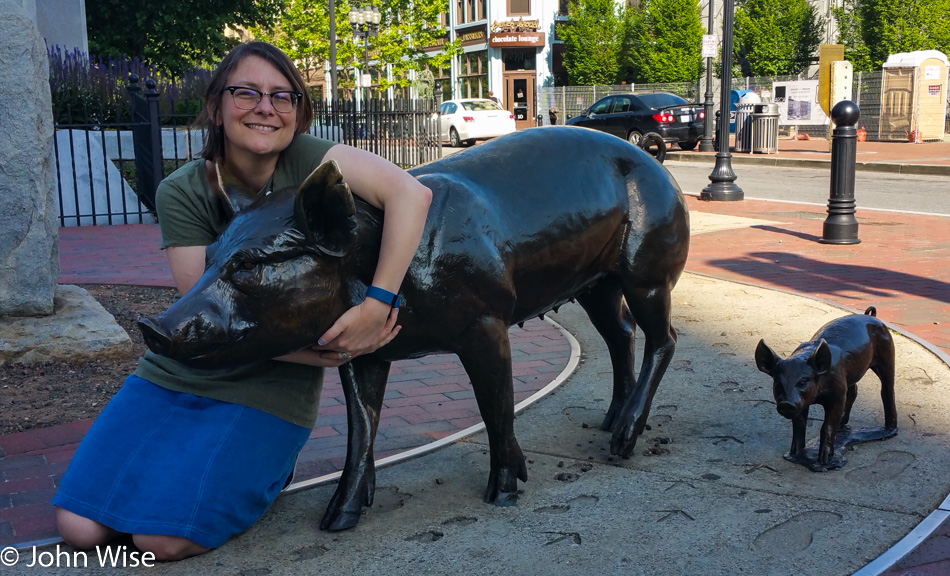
(435, 445)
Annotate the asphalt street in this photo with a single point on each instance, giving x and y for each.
(877, 190)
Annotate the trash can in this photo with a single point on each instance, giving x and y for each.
(764, 128)
(744, 127)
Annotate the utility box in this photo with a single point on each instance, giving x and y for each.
(913, 96)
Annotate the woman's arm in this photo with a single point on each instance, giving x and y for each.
(405, 202)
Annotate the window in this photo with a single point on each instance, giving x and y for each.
(473, 74)
(602, 107)
(519, 7)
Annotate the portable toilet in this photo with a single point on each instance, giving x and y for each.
(914, 96)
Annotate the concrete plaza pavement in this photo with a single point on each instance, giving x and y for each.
(707, 491)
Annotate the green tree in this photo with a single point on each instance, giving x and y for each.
(776, 37)
(302, 30)
(592, 42)
(871, 30)
(173, 35)
(663, 42)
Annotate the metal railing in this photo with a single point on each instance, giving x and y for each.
(109, 162)
(866, 93)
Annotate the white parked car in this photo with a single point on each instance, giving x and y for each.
(468, 119)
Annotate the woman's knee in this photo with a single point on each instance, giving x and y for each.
(82, 533)
(167, 548)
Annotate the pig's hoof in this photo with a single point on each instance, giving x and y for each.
(609, 419)
(336, 520)
(502, 488)
(623, 441)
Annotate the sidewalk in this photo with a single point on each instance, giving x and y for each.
(899, 267)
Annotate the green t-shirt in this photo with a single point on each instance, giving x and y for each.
(189, 215)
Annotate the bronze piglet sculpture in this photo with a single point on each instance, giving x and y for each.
(517, 227)
(826, 371)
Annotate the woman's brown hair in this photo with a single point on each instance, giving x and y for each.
(214, 135)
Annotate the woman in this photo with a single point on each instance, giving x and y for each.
(183, 459)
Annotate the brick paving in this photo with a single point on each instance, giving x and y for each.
(899, 267)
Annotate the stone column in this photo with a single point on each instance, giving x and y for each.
(29, 234)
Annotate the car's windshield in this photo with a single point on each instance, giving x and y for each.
(480, 105)
(661, 100)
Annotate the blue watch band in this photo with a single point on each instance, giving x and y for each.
(394, 300)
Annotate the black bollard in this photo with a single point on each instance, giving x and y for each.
(841, 227)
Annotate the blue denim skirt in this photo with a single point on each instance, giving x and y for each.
(163, 462)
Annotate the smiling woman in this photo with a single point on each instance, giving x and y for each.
(183, 458)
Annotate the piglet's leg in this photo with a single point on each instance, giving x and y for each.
(852, 396)
(486, 356)
(799, 425)
(883, 367)
(829, 429)
(364, 385)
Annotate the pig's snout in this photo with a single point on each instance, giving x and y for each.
(786, 409)
(156, 337)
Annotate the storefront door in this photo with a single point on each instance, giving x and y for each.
(520, 99)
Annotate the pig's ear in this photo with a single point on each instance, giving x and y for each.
(325, 211)
(821, 358)
(765, 358)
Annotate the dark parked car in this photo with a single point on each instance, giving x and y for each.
(630, 116)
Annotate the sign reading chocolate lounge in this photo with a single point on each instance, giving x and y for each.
(498, 39)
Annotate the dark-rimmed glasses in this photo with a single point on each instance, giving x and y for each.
(283, 101)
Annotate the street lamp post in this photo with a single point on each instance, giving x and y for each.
(722, 185)
(706, 142)
(365, 25)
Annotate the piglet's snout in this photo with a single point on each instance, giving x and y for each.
(786, 409)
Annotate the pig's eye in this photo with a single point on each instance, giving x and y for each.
(247, 276)
(803, 383)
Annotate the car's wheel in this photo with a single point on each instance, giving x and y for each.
(454, 139)
(634, 137)
(688, 145)
(653, 144)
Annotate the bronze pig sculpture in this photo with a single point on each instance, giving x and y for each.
(517, 227)
(826, 371)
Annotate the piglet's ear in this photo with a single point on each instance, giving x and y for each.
(765, 358)
(821, 358)
(324, 210)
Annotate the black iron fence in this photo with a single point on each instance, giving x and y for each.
(109, 162)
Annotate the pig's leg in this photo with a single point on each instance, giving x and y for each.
(611, 317)
(486, 357)
(364, 385)
(650, 306)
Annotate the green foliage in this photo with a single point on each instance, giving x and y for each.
(302, 30)
(776, 37)
(175, 36)
(663, 42)
(871, 30)
(592, 42)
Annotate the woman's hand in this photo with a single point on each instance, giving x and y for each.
(362, 329)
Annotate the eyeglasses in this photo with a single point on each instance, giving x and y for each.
(283, 101)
